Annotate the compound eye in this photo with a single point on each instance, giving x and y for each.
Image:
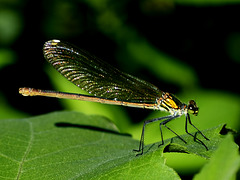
(192, 107)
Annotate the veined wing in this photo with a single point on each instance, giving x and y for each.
(96, 76)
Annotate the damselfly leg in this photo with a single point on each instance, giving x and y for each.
(195, 137)
(168, 119)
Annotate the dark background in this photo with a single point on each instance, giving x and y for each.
(205, 37)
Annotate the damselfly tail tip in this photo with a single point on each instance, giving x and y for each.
(25, 91)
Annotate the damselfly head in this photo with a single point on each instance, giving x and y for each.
(192, 107)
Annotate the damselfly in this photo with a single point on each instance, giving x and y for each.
(108, 85)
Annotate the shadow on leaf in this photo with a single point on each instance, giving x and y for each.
(93, 128)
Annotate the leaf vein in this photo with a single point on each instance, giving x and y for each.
(27, 150)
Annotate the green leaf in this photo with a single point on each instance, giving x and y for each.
(70, 145)
(224, 164)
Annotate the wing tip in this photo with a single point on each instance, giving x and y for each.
(51, 42)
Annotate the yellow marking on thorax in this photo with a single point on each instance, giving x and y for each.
(169, 102)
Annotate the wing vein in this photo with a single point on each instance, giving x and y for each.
(96, 76)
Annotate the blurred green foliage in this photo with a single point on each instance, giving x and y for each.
(190, 48)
